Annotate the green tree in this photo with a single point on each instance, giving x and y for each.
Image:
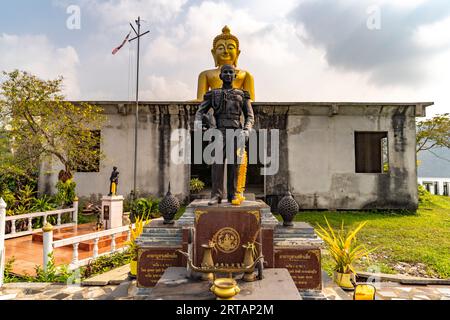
(15, 173)
(41, 125)
(433, 133)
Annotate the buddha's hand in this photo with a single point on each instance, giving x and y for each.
(198, 125)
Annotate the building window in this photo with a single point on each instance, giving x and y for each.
(445, 191)
(427, 186)
(95, 165)
(436, 188)
(371, 152)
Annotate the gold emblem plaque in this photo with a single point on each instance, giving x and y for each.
(227, 240)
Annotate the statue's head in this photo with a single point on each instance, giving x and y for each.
(114, 168)
(227, 73)
(225, 48)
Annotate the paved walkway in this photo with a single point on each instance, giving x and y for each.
(28, 252)
(127, 291)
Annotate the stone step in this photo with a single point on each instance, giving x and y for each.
(294, 230)
(158, 231)
(161, 236)
(300, 241)
(149, 238)
(293, 236)
(166, 236)
(159, 243)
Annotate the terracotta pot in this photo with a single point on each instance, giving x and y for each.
(343, 280)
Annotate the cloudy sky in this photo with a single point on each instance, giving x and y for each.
(297, 50)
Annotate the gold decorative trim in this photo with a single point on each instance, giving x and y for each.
(316, 252)
(227, 240)
(140, 253)
(198, 214)
(256, 213)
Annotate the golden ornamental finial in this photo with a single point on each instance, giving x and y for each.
(226, 34)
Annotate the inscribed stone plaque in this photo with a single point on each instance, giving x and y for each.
(303, 264)
(153, 262)
(229, 228)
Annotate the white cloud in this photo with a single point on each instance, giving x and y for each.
(36, 54)
(160, 88)
(435, 35)
(118, 13)
(273, 50)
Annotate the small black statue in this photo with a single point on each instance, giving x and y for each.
(114, 181)
(228, 105)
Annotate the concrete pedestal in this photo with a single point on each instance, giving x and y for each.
(112, 211)
(175, 285)
(295, 248)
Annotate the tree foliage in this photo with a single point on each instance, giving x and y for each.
(15, 174)
(40, 125)
(433, 133)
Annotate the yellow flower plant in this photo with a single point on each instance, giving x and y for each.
(136, 232)
(342, 246)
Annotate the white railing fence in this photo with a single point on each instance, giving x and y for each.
(2, 239)
(50, 245)
(73, 212)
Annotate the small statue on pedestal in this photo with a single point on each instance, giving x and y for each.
(114, 181)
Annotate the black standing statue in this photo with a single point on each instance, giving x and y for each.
(114, 181)
(228, 105)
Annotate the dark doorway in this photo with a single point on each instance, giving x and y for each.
(254, 183)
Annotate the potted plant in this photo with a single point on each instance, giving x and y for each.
(133, 247)
(344, 251)
(196, 185)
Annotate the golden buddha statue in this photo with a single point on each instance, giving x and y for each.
(225, 51)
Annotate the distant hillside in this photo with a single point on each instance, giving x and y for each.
(435, 165)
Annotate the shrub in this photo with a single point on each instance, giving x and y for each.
(53, 273)
(66, 192)
(45, 203)
(105, 263)
(145, 208)
(196, 185)
(425, 197)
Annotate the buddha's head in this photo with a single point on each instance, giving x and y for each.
(225, 48)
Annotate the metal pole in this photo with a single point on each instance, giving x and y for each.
(138, 22)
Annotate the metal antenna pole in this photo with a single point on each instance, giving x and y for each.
(138, 37)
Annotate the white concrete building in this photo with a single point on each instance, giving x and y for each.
(438, 186)
(332, 155)
(434, 170)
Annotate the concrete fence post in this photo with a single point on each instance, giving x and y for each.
(2, 239)
(47, 243)
(75, 210)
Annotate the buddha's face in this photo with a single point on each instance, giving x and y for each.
(226, 52)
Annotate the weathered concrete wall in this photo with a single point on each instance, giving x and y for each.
(154, 169)
(322, 158)
(316, 149)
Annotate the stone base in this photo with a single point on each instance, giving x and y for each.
(175, 285)
(296, 248)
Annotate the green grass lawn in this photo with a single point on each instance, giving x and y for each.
(420, 238)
